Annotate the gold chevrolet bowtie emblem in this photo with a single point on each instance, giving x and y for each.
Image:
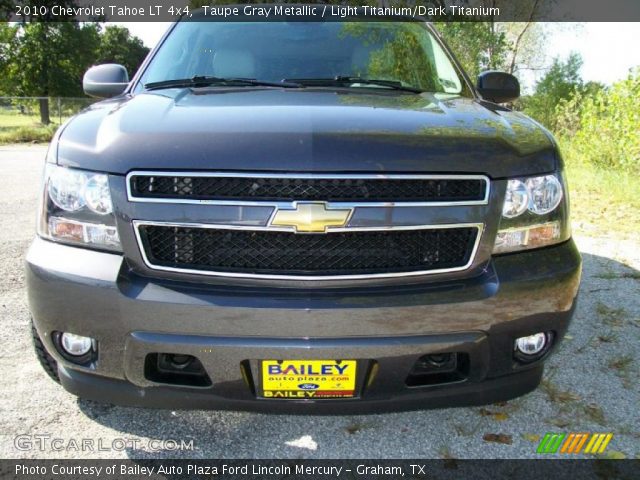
(311, 217)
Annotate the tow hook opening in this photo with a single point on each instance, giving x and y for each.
(437, 368)
(175, 369)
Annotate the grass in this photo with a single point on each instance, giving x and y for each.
(595, 413)
(557, 395)
(25, 126)
(19, 128)
(610, 337)
(623, 366)
(36, 134)
(603, 202)
(612, 317)
(11, 120)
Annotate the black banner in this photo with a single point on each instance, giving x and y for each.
(432, 10)
(319, 469)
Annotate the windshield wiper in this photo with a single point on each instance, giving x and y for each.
(343, 80)
(205, 81)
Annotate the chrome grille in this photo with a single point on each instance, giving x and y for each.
(197, 187)
(377, 239)
(264, 252)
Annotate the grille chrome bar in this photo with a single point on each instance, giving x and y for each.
(132, 197)
(138, 224)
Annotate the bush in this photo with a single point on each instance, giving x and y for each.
(602, 129)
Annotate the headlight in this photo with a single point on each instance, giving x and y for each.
(97, 195)
(539, 195)
(66, 189)
(545, 194)
(533, 214)
(77, 209)
(516, 199)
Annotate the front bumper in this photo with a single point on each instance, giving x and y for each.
(94, 294)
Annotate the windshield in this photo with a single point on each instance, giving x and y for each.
(397, 52)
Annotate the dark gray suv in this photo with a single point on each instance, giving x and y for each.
(301, 217)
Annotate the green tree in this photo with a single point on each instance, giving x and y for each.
(491, 45)
(559, 84)
(47, 55)
(6, 7)
(478, 46)
(7, 42)
(117, 45)
(48, 59)
(43, 58)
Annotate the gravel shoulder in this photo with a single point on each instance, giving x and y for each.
(590, 384)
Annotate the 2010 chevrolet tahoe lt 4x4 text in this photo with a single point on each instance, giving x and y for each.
(301, 217)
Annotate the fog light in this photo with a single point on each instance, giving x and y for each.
(75, 345)
(532, 346)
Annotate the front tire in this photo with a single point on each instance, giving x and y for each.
(48, 363)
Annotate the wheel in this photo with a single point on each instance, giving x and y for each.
(48, 363)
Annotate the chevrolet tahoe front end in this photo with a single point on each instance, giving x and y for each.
(255, 224)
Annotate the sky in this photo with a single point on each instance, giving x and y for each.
(608, 50)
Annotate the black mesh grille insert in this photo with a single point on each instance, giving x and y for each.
(290, 189)
(282, 253)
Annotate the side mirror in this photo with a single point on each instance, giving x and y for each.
(498, 87)
(104, 81)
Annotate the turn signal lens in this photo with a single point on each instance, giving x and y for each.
(532, 236)
(82, 232)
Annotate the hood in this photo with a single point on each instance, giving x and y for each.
(310, 130)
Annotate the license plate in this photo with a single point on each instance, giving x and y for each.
(300, 379)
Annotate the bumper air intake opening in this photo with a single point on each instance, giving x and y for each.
(175, 369)
(438, 368)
